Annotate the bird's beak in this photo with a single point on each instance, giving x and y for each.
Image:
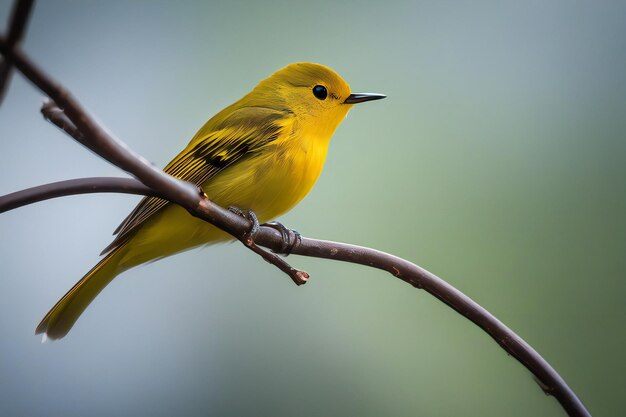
(361, 97)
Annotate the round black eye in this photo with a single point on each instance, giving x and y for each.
(320, 92)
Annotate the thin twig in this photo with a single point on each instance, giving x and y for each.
(298, 276)
(17, 28)
(175, 191)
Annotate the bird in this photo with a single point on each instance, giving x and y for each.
(261, 154)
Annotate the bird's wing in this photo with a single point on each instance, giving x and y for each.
(212, 150)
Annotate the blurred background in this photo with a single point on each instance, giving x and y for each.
(498, 162)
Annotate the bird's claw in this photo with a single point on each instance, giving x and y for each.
(289, 237)
(287, 245)
(250, 216)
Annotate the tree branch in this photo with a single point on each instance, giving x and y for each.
(99, 140)
(95, 138)
(549, 380)
(17, 27)
(81, 126)
(73, 187)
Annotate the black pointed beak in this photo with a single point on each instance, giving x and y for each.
(361, 97)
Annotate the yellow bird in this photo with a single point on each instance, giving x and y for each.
(262, 153)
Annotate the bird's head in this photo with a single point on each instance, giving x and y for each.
(315, 94)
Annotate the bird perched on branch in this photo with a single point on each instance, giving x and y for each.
(262, 153)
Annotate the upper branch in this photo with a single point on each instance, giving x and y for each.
(100, 141)
(17, 28)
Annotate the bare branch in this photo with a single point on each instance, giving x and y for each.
(85, 130)
(94, 137)
(549, 380)
(101, 141)
(55, 115)
(17, 28)
(73, 187)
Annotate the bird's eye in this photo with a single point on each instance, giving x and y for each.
(320, 92)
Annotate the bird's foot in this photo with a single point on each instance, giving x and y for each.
(252, 218)
(298, 276)
(290, 237)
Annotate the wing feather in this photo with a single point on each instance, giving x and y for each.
(211, 151)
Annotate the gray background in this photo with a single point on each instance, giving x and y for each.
(498, 162)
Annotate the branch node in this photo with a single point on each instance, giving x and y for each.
(302, 277)
(547, 389)
(297, 276)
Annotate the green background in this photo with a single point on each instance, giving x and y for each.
(498, 162)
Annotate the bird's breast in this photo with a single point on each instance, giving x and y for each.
(273, 180)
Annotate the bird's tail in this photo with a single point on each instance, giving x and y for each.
(60, 319)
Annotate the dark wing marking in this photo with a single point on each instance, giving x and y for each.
(246, 131)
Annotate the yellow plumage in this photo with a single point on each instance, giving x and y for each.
(262, 153)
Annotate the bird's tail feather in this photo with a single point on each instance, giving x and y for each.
(60, 319)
